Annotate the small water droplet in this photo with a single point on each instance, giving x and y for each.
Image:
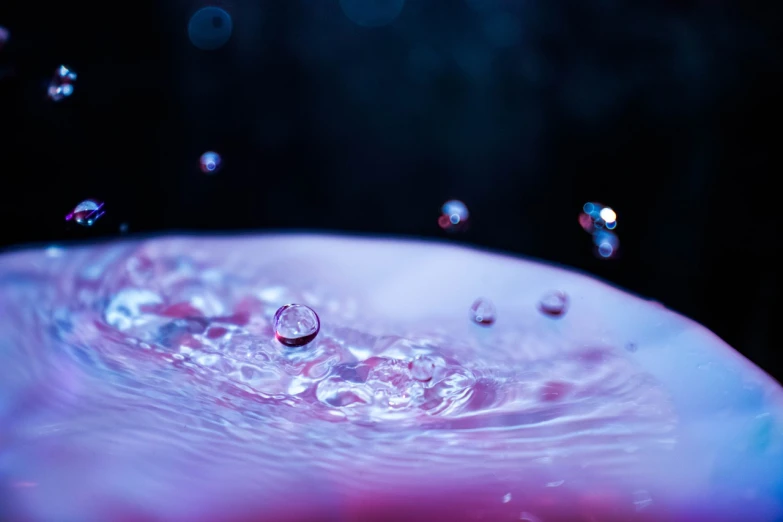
(210, 162)
(507, 498)
(210, 28)
(296, 325)
(453, 216)
(607, 244)
(554, 304)
(61, 85)
(483, 312)
(86, 213)
(422, 368)
(124, 228)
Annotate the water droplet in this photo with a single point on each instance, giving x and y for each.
(296, 325)
(554, 304)
(507, 498)
(375, 13)
(607, 244)
(453, 216)
(124, 228)
(483, 312)
(422, 368)
(4, 36)
(86, 213)
(596, 216)
(210, 162)
(210, 28)
(61, 85)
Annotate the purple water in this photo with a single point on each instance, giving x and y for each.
(142, 380)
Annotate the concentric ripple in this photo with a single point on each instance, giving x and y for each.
(145, 379)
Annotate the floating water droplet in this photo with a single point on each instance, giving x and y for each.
(483, 312)
(210, 28)
(453, 216)
(210, 162)
(372, 13)
(554, 304)
(507, 498)
(61, 85)
(422, 368)
(596, 216)
(4, 36)
(86, 213)
(296, 325)
(124, 228)
(606, 244)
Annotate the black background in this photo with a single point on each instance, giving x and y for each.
(667, 111)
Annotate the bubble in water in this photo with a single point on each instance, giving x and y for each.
(4, 36)
(554, 304)
(210, 28)
(86, 213)
(453, 216)
(210, 162)
(61, 85)
(422, 368)
(296, 325)
(372, 13)
(483, 312)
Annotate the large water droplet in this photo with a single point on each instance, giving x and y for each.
(210, 162)
(86, 213)
(210, 28)
(422, 368)
(296, 325)
(61, 85)
(483, 312)
(453, 216)
(554, 304)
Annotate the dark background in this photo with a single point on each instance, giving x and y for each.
(669, 111)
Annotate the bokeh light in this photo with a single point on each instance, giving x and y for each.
(5, 35)
(606, 243)
(210, 162)
(372, 13)
(210, 28)
(61, 85)
(453, 216)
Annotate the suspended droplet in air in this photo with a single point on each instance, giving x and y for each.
(210, 28)
(210, 162)
(453, 216)
(61, 85)
(86, 213)
(606, 244)
(483, 312)
(554, 304)
(296, 325)
(372, 13)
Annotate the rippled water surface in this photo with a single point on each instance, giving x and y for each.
(143, 380)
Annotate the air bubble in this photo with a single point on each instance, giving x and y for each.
(61, 85)
(372, 13)
(554, 304)
(483, 312)
(210, 28)
(210, 162)
(453, 216)
(86, 213)
(296, 325)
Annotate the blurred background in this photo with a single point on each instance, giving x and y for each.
(367, 115)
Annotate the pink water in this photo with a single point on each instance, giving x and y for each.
(141, 380)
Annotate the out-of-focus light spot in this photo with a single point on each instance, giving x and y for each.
(210, 162)
(61, 85)
(86, 213)
(586, 222)
(4, 36)
(454, 216)
(372, 13)
(608, 215)
(124, 228)
(210, 28)
(612, 225)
